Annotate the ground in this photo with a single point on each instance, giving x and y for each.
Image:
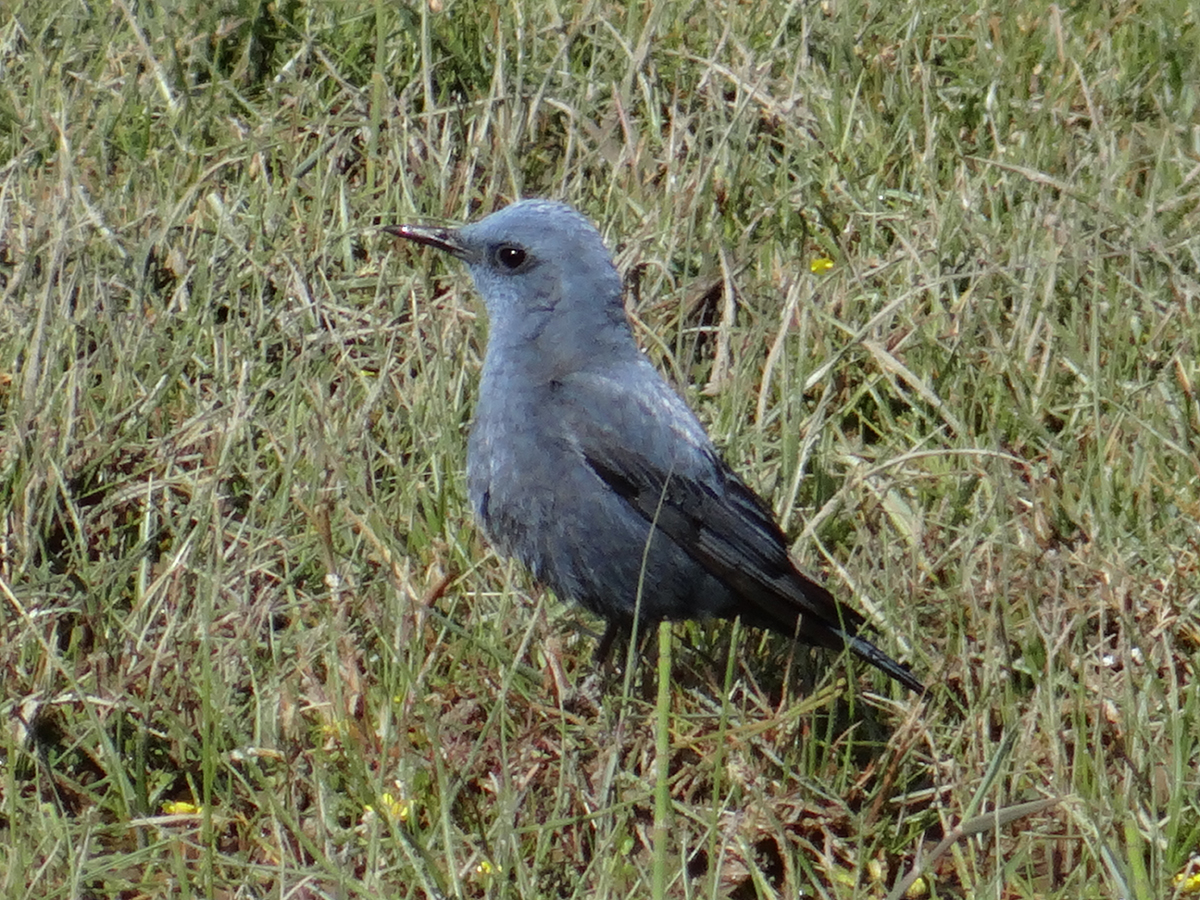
(928, 275)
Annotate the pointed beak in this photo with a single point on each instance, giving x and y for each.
(446, 239)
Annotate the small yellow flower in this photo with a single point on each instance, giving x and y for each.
(875, 870)
(918, 889)
(487, 869)
(1188, 884)
(181, 808)
(393, 807)
(820, 264)
(335, 728)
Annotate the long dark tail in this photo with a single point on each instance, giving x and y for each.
(864, 649)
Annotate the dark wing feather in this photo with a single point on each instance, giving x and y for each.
(730, 533)
(728, 530)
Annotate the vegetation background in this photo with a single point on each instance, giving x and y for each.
(929, 272)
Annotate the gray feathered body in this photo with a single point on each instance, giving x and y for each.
(540, 500)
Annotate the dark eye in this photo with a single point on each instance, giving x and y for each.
(510, 257)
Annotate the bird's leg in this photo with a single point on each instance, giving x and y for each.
(586, 697)
(612, 631)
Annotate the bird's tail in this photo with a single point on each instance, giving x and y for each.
(864, 649)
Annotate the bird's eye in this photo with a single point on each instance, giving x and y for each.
(510, 257)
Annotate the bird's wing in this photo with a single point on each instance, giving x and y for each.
(659, 460)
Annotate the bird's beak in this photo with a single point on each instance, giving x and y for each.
(447, 239)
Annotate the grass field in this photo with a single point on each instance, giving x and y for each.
(931, 278)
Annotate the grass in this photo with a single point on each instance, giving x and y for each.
(252, 645)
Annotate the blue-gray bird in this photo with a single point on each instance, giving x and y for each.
(588, 468)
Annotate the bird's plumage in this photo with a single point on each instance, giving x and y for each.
(588, 468)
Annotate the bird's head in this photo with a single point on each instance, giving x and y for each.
(541, 267)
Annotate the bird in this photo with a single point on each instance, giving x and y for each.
(585, 466)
